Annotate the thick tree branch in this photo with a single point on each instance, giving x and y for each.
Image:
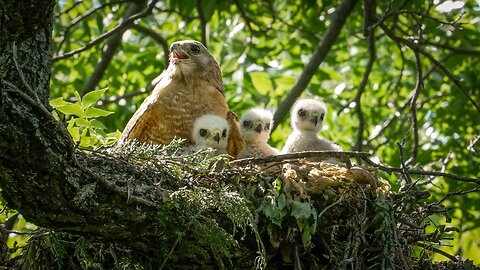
(337, 21)
(109, 50)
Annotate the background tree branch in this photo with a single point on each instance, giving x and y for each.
(116, 29)
(337, 20)
(110, 49)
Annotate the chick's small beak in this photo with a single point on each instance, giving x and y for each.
(216, 136)
(314, 119)
(258, 128)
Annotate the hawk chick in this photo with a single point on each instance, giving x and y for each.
(255, 127)
(307, 120)
(210, 131)
(190, 87)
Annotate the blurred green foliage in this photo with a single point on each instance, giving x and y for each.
(263, 46)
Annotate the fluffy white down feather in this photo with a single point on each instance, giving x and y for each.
(210, 131)
(255, 128)
(307, 120)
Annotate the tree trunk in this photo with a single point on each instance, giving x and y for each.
(41, 174)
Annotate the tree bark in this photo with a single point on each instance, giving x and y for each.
(41, 174)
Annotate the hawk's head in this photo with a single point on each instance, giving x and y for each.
(191, 56)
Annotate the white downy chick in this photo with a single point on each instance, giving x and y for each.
(255, 127)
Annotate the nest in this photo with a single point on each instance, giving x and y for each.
(318, 215)
(273, 213)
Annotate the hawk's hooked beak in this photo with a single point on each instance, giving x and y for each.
(216, 135)
(177, 53)
(314, 119)
(258, 128)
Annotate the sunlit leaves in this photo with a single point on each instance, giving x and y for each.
(83, 126)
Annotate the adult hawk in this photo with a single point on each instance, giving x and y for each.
(190, 87)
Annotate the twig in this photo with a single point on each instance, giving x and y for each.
(171, 251)
(404, 105)
(458, 192)
(67, 10)
(439, 251)
(13, 231)
(330, 206)
(114, 99)
(299, 155)
(413, 109)
(116, 29)
(158, 38)
(203, 22)
(390, 169)
(337, 21)
(22, 76)
(412, 45)
(459, 50)
(247, 19)
(361, 88)
(180, 236)
(81, 18)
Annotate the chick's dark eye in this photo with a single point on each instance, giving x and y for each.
(203, 132)
(195, 49)
(224, 133)
(322, 116)
(267, 126)
(302, 112)
(247, 124)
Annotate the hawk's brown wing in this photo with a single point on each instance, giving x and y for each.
(235, 142)
(138, 126)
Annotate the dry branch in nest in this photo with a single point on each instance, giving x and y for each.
(282, 212)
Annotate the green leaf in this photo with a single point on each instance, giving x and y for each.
(92, 97)
(95, 112)
(74, 109)
(73, 130)
(75, 133)
(82, 122)
(274, 214)
(77, 95)
(58, 102)
(97, 124)
(301, 210)
(307, 235)
(282, 202)
(261, 81)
